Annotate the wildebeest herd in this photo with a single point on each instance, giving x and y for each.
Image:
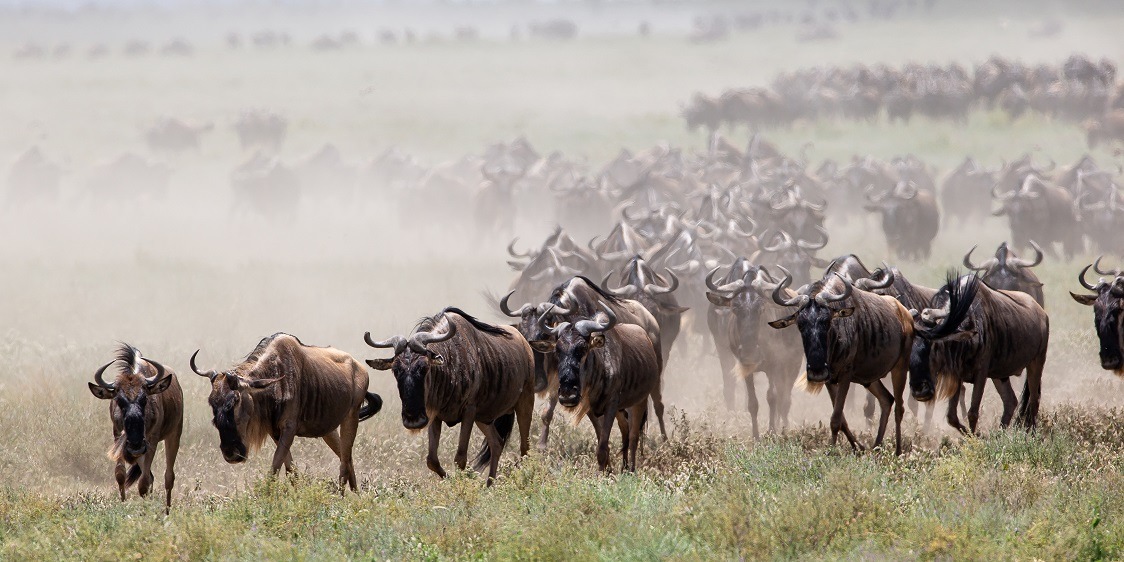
(710, 252)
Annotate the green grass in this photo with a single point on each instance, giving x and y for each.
(1051, 495)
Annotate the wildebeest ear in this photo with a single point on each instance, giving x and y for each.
(380, 364)
(159, 386)
(101, 391)
(717, 300)
(262, 383)
(783, 322)
(597, 340)
(542, 346)
(843, 312)
(1086, 300)
(436, 360)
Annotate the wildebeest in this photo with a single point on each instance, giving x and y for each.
(575, 299)
(33, 177)
(1108, 128)
(456, 369)
(755, 347)
(285, 389)
(261, 129)
(655, 293)
(966, 193)
(910, 219)
(175, 135)
(1006, 271)
(146, 407)
(971, 333)
(606, 371)
(1037, 210)
(850, 336)
(1108, 312)
(265, 185)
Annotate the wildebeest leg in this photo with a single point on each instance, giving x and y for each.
(523, 411)
(657, 405)
(838, 392)
(751, 403)
(1032, 393)
(898, 382)
(729, 380)
(977, 399)
(171, 449)
(349, 427)
(547, 416)
(635, 430)
(495, 445)
(282, 455)
(467, 419)
(622, 424)
(868, 409)
(431, 459)
(885, 401)
(120, 473)
(605, 429)
(953, 419)
(146, 478)
(1003, 386)
(289, 458)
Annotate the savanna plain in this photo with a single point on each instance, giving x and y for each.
(187, 272)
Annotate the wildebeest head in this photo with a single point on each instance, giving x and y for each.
(1108, 313)
(946, 319)
(411, 365)
(129, 395)
(574, 344)
(746, 298)
(1006, 271)
(530, 325)
(233, 406)
(816, 310)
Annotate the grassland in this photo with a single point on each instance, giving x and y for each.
(176, 275)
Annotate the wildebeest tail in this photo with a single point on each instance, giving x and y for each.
(371, 406)
(960, 298)
(503, 425)
(133, 476)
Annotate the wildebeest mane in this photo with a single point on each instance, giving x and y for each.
(605, 295)
(476, 323)
(127, 355)
(960, 299)
(259, 350)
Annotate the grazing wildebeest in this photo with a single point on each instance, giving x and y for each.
(849, 337)
(1108, 304)
(971, 333)
(606, 371)
(755, 347)
(285, 389)
(575, 299)
(1007, 272)
(146, 407)
(654, 292)
(456, 369)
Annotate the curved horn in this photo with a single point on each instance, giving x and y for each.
(1084, 283)
(710, 278)
(587, 327)
(396, 342)
(624, 291)
(968, 261)
(1097, 268)
(511, 250)
(98, 376)
(653, 289)
(811, 246)
(1038, 255)
(827, 296)
(506, 309)
(418, 341)
(869, 283)
(209, 374)
(798, 300)
(160, 372)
